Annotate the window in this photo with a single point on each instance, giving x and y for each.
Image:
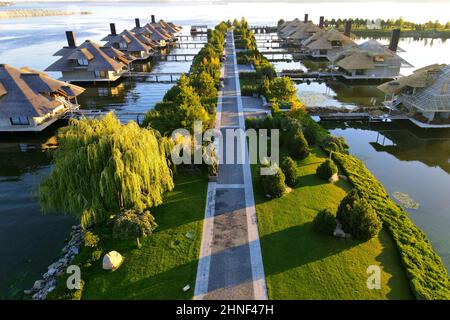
(19, 121)
(122, 45)
(83, 61)
(101, 74)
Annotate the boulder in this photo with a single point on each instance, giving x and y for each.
(112, 260)
(334, 178)
(38, 285)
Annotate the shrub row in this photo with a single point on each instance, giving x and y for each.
(425, 269)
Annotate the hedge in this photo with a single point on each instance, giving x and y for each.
(425, 270)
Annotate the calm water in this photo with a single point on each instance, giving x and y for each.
(30, 241)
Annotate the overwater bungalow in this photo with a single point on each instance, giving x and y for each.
(328, 43)
(425, 94)
(371, 60)
(90, 62)
(129, 43)
(31, 100)
(296, 31)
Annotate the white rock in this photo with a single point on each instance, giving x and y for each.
(112, 260)
(186, 288)
(38, 284)
(334, 178)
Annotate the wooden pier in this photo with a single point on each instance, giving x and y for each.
(189, 45)
(157, 77)
(192, 38)
(300, 75)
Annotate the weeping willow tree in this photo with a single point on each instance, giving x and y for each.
(103, 167)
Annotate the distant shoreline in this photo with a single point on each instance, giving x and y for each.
(27, 13)
(5, 4)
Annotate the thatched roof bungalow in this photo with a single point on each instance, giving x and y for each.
(90, 62)
(425, 93)
(327, 43)
(31, 100)
(370, 60)
(128, 42)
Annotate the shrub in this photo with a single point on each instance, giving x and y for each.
(132, 224)
(342, 213)
(90, 239)
(334, 144)
(299, 148)
(325, 222)
(362, 220)
(274, 184)
(326, 169)
(289, 168)
(425, 269)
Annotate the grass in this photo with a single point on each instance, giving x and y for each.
(167, 260)
(302, 264)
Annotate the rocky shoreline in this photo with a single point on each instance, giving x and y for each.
(22, 13)
(47, 284)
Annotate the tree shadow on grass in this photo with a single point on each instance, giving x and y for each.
(297, 246)
(185, 204)
(391, 263)
(120, 285)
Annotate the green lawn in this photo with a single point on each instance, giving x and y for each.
(300, 263)
(167, 260)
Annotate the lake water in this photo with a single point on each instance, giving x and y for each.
(417, 166)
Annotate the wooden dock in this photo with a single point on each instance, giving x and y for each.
(157, 77)
(347, 116)
(300, 75)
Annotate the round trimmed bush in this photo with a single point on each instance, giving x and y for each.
(274, 184)
(289, 168)
(325, 222)
(326, 169)
(343, 212)
(361, 220)
(132, 224)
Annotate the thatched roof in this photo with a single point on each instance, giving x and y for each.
(157, 34)
(303, 31)
(435, 97)
(420, 78)
(364, 56)
(133, 42)
(324, 40)
(99, 58)
(27, 93)
(288, 26)
(356, 61)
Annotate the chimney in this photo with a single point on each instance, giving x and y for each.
(306, 18)
(112, 26)
(70, 39)
(393, 46)
(153, 18)
(138, 23)
(348, 28)
(321, 22)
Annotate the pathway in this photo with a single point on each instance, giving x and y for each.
(230, 265)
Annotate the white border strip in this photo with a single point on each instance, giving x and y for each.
(202, 278)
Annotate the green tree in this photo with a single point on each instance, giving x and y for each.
(104, 167)
(325, 222)
(274, 184)
(298, 146)
(326, 169)
(364, 223)
(289, 168)
(282, 89)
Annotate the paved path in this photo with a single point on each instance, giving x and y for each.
(230, 265)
